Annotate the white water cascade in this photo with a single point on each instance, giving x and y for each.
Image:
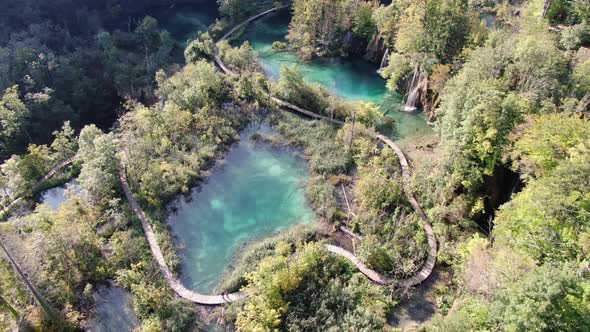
(410, 105)
(383, 61)
(347, 38)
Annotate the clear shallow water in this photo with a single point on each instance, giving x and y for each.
(184, 22)
(258, 190)
(114, 310)
(351, 79)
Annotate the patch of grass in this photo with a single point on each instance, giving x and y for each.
(318, 138)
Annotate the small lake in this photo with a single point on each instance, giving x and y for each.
(352, 79)
(257, 191)
(56, 196)
(348, 78)
(114, 310)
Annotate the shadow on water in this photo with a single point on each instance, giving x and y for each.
(418, 308)
(184, 21)
(56, 196)
(114, 310)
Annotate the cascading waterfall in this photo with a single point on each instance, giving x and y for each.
(383, 61)
(347, 38)
(410, 105)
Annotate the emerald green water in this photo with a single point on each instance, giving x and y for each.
(353, 79)
(257, 191)
(184, 21)
(348, 78)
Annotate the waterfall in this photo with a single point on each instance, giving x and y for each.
(410, 105)
(347, 38)
(383, 61)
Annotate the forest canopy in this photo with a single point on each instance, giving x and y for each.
(476, 210)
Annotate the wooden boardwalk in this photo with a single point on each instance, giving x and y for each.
(176, 285)
(428, 266)
(236, 28)
(373, 275)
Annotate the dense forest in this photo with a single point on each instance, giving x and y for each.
(96, 96)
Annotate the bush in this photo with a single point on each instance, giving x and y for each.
(279, 46)
(322, 197)
(253, 253)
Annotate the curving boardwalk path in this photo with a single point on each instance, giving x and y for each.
(195, 297)
(176, 285)
(428, 266)
(236, 28)
(47, 176)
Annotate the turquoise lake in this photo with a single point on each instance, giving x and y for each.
(348, 78)
(258, 190)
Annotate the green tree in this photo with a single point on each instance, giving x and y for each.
(549, 298)
(13, 121)
(420, 31)
(293, 88)
(70, 253)
(363, 24)
(196, 86)
(13, 297)
(98, 155)
(298, 294)
(547, 218)
(581, 79)
(197, 49)
(545, 140)
(65, 144)
(318, 26)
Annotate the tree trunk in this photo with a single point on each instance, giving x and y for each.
(47, 308)
(546, 7)
(584, 103)
(352, 131)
